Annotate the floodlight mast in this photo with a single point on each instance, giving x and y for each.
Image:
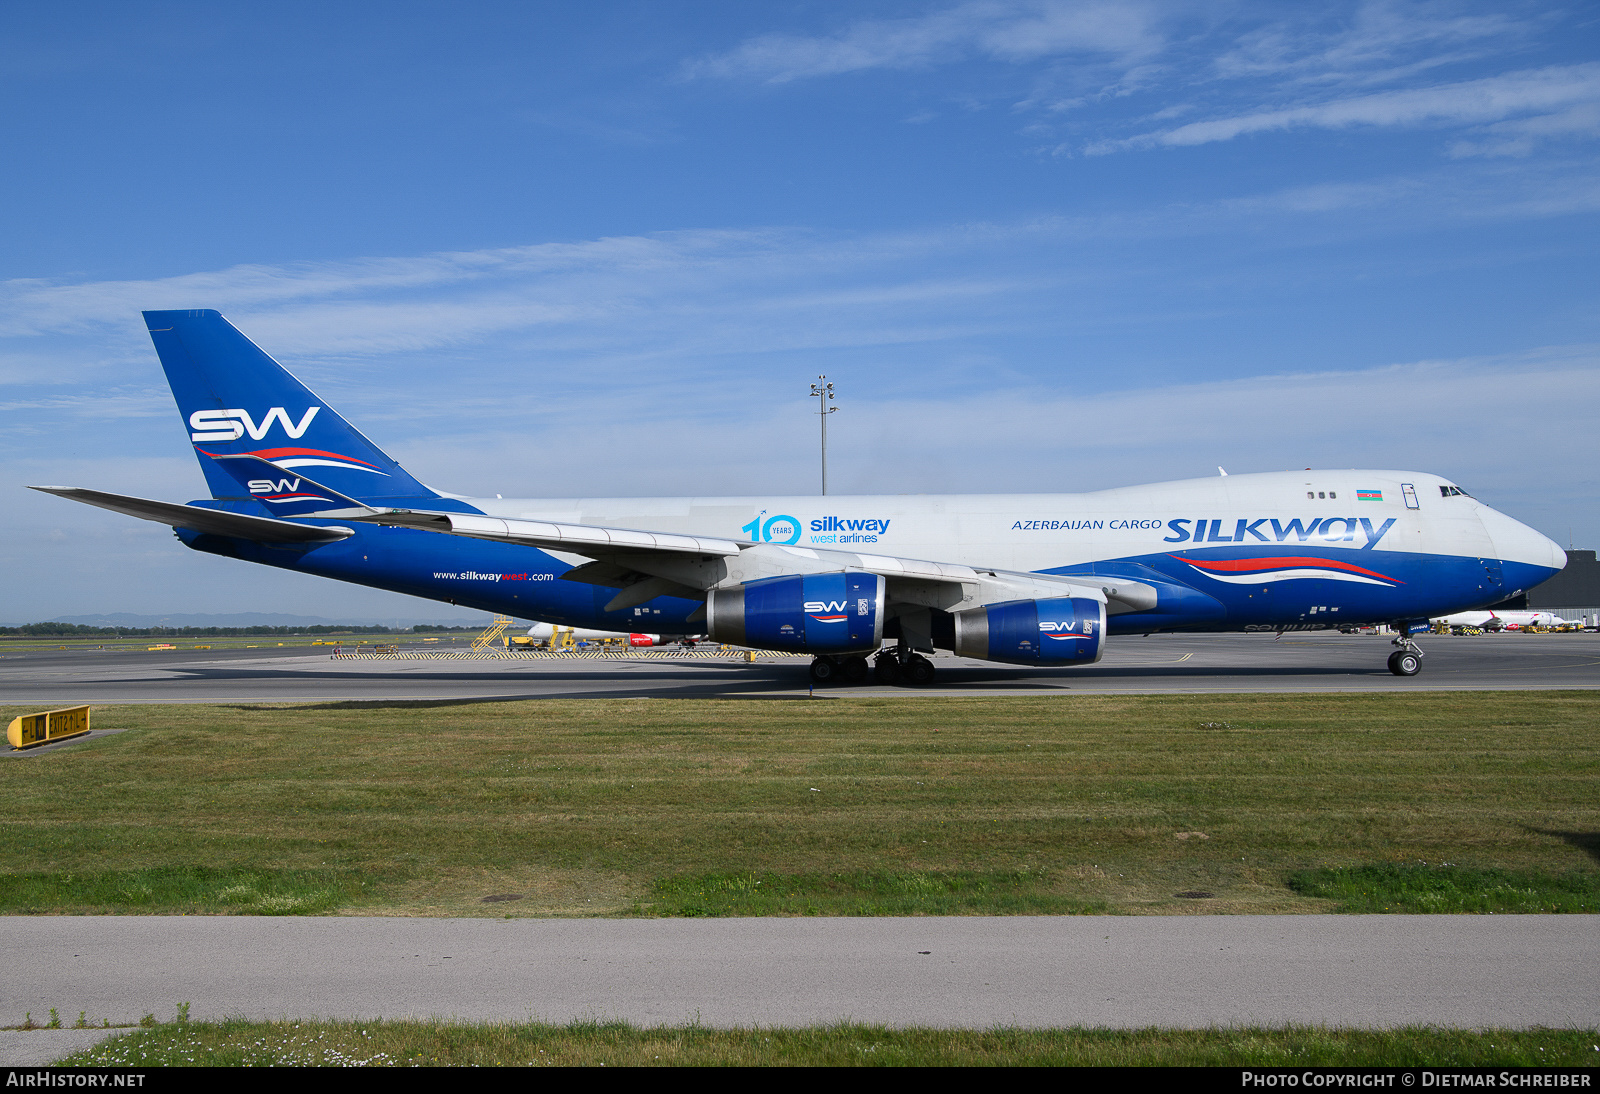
(824, 392)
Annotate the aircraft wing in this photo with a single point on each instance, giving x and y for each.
(576, 538)
(214, 521)
(643, 565)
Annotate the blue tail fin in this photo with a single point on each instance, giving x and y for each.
(235, 400)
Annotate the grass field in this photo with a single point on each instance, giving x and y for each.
(841, 806)
(589, 1044)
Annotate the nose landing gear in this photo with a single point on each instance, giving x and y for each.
(1407, 659)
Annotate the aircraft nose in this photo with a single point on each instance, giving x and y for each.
(1516, 542)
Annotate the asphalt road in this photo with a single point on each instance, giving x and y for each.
(1045, 971)
(1154, 665)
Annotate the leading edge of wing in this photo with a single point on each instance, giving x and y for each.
(213, 521)
(578, 539)
(594, 540)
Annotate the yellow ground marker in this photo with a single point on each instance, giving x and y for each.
(29, 730)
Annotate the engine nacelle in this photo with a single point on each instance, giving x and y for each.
(1068, 630)
(801, 613)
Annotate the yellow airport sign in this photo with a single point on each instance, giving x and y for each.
(51, 725)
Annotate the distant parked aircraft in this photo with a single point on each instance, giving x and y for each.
(1502, 620)
(543, 632)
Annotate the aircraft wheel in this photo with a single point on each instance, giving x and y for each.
(887, 672)
(823, 671)
(919, 672)
(856, 670)
(1404, 663)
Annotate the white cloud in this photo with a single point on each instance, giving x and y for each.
(1187, 56)
(33, 306)
(1018, 31)
(709, 298)
(1518, 137)
(715, 292)
(1471, 102)
(1374, 43)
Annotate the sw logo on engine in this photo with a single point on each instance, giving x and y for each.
(826, 611)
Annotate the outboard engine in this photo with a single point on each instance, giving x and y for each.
(801, 613)
(1068, 630)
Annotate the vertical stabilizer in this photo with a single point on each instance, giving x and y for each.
(235, 400)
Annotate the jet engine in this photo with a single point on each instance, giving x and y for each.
(1068, 630)
(802, 613)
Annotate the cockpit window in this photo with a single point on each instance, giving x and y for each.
(1452, 492)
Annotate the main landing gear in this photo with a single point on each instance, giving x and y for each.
(1407, 659)
(839, 670)
(895, 666)
(904, 667)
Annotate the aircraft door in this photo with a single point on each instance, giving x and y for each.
(1409, 492)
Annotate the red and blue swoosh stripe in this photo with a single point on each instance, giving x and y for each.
(289, 458)
(1254, 571)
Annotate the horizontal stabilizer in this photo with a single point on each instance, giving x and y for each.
(285, 493)
(216, 522)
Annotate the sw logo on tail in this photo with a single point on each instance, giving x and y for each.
(230, 425)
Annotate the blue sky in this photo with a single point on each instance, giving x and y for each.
(559, 249)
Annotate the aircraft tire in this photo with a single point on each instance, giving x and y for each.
(856, 670)
(918, 672)
(823, 671)
(1404, 663)
(887, 672)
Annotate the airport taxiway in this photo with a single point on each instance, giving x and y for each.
(1159, 664)
(970, 972)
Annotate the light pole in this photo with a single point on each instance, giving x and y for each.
(824, 392)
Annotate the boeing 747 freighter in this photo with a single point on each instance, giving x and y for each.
(1026, 579)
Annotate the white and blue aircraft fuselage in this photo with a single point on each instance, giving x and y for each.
(1034, 579)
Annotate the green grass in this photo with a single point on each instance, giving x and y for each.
(644, 806)
(1447, 888)
(187, 890)
(862, 892)
(433, 1044)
